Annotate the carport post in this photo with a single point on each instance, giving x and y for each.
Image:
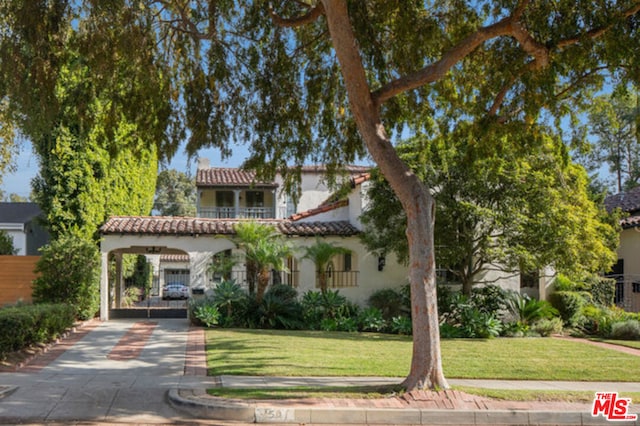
(104, 288)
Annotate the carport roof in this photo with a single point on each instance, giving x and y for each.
(188, 226)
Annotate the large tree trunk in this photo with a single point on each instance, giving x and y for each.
(418, 204)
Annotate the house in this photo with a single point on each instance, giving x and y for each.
(228, 196)
(21, 222)
(627, 269)
(186, 245)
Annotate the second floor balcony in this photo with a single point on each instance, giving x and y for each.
(237, 213)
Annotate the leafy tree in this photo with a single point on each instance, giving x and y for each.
(525, 209)
(321, 254)
(265, 249)
(175, 194)
(94, 127)
(614, 123)
(69, 272)
(326, 80)
(6, 244)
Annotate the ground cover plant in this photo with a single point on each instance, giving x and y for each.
(268, 353)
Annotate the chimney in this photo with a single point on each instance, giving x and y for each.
(203, 163)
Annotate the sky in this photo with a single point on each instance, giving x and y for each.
(19, 182)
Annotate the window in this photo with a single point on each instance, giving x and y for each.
(255, 199)
(347, 262)
(529, 279)
(635, 287)
(224, 199)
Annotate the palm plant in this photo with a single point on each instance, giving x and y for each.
(265, 249)
(321, 254)
(226, 294)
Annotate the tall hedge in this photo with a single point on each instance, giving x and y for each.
(69, 271)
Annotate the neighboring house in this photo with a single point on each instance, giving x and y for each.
(627, 270)
(21, 221)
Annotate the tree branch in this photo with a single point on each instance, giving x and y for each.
(313, 14)
(437, 70)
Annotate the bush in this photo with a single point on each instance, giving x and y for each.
(626, 330)
(490, 299)
(527, 310)
(25, 325)
(209, 315)
(569, 304)
(390, 303)
(279, 308)
(69, 271)
(371, 319)
(401, 325)
(546, 327)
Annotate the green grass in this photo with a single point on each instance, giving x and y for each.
(387, 391)
(628, 343)
(310, 353)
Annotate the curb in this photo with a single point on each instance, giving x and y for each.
(199, 404)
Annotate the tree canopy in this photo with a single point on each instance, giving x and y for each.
(523, 207)
(175, 194)
(613, 139)
(328, 81)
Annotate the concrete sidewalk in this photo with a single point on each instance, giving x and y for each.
(154, 372)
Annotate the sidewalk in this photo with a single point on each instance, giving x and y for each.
(155, 372)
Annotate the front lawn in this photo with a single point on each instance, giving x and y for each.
(314, 353)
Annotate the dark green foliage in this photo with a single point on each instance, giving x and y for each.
(279, 309)
(24, 325)
(69, 271)
(328, 311)
(401, 325)
(626, 330)
(527, 310)
(225, 296)
(599, 290)
(569, 304)
(390, 302)
(490, 299)
(6, 244)
(371, 319)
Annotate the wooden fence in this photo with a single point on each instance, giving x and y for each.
(16, 275)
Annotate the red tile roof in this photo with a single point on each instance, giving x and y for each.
(217, 176)
(160, 225)
(321, 209)
(360, 179)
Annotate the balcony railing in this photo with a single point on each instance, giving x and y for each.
(232, 213)
(339, 279)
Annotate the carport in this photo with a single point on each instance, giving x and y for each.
(198, 238)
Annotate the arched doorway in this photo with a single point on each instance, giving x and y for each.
(194, 251)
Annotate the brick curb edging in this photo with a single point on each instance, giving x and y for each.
(53, 350)
(195, 360)
(201, 405)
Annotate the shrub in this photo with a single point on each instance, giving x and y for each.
(490, 299)
(371, 319)
(546, 327)
(569, 304)
(25, 325)
(527, 310)
(225, 296)
(401, 325)
(389, 302)
(476, 323)
(69, 271)
(207, 314)
(626, 330)
(279, 308)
